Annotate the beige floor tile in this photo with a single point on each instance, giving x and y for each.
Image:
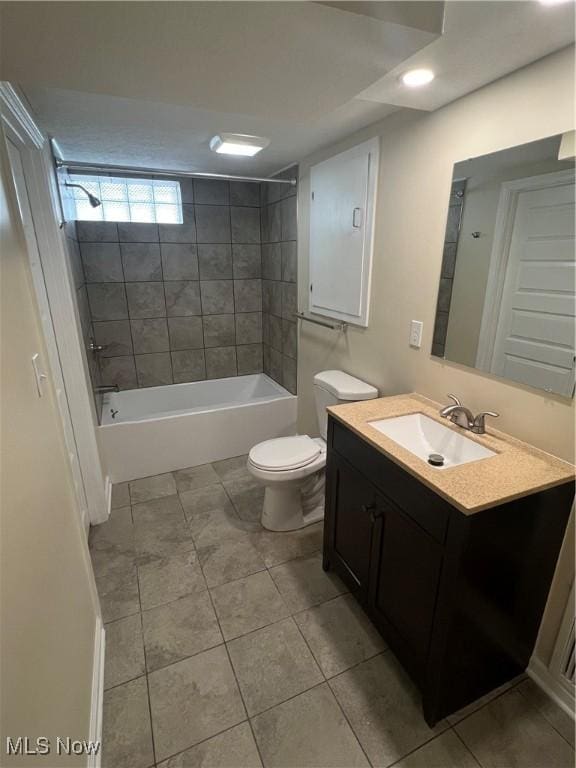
(164, 537)
(384, 708)
(170, 578)
(232, 469)
(118, 593)
(247, 495)
(272, 665)
(195, 477)
(120, 496)
(180, 629)
(193, 700)
(112, 544)
(445, 751)
(155, 509)
(302, 583)
(557, 718)
(308, 731)
(460, 714)
(152, 488)
(339, 634)
(277, 548)
(235, 748)
(511, 732)
(126, 732)
(229, 560)
(124, 651)
(211, 517)
(248, 604)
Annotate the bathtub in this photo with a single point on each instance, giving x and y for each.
(149, 431)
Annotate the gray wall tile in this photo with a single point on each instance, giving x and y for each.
(102, 263)
(146, 300)
(186, 191)
(97, 231)
(211, 192)
(213, 223)
(75, 261)
(141, 261)
(275, 324)
(219, 331)
(215, 261)
(249, 359)
(289, 262)
(275, 365)
(248, 295)
(221, 362)
(249, 328)
(289, 339)
(288, 217)
(217, 297)
(245, 224)
(154, 370)
(189, 365)
(289, 377)
(289, 301)
(185, 332)
(178, 233)
(182, 298)
(247, 261)
(137, 233)
(244, 193)
(179, 261)
(272, 261)
(150, 335)
(114, 336)
(118, 370)
(107, 301)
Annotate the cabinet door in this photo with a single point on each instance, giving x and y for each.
(405, 576)
(350, 522)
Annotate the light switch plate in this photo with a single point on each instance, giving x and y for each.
(416, 333)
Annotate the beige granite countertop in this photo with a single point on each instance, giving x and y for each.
(517, 470)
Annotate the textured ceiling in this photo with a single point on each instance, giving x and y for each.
(149, 83)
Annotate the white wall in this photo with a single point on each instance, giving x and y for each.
(48, 601)
(418, 151)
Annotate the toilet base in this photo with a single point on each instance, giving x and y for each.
(290, 506)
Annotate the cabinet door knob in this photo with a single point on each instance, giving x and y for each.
(375, 514)
(368, 508)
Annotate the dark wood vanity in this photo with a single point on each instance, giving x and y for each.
(458, 597)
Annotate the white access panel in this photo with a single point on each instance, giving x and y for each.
(342, 208)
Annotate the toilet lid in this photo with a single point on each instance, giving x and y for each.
(285, 453)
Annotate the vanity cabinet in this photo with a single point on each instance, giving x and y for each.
(458, 597)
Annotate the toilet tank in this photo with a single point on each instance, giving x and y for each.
(333, 387)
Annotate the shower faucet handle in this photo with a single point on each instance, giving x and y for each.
(93, 347)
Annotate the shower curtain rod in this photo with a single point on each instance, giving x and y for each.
(77, 166)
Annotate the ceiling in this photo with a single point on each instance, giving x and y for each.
(148, 84)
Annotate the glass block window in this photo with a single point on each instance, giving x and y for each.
(139, 200)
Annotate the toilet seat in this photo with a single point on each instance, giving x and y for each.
(285, 453)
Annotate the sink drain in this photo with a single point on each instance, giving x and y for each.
(436, 459)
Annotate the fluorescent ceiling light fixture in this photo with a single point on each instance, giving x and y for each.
(414, 78)
(238, 144)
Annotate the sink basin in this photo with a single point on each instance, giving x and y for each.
(423, 436)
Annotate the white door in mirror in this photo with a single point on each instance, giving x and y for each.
(416, 333)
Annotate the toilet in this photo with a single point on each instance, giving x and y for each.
(292, 468)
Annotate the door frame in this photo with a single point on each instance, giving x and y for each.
(505, 217)
(60, 323)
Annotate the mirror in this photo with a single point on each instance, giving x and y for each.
(506, 301)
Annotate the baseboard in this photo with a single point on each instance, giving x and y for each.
(96, 707)
(561, 693)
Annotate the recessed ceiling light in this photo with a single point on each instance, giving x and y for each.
(417, 77)
(238, 144)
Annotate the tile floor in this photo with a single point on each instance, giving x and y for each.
(227, 645)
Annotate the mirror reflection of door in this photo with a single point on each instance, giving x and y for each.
(506, 299)
(533, 338)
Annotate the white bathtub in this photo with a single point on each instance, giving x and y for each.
(160, 429)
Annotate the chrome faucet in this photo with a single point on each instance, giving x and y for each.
(106, 388)
(463, 417)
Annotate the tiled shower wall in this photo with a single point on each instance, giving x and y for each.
(177, 303)
(279, 284)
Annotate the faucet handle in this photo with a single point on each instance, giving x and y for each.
(478, 426)
(455, 399)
